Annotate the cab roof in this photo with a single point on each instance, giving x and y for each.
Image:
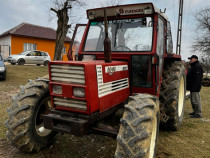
(129, 9)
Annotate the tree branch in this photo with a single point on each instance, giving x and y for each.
(54, 10)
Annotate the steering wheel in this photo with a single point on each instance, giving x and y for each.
(123, 48)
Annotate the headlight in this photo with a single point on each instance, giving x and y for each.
(57, 89)
(79, 92)
(2, 68)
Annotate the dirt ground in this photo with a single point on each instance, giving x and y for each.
(192, 140)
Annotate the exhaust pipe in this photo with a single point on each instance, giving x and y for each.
(107, 42)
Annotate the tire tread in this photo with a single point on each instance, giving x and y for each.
(169, 93)
(19, 124)
(135, 128)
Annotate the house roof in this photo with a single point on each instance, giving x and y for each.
(30, 30)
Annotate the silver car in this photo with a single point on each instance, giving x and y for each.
(30, 57)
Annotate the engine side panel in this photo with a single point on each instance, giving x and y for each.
(113, 84)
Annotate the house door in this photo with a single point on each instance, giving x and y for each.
(5, 51)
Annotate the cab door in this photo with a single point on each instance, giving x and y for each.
(76, 41)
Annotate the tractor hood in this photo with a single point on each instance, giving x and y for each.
(88, 86)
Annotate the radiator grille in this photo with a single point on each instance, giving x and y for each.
(70, 103)
(68, 74)
(109, 87)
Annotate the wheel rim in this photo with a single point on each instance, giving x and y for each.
(21, 62)
(153, 138)
(39, 122)
(181, 97)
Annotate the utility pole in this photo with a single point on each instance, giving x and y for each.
(179, 29)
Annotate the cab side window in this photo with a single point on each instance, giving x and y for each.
(160, 43)
(169, 43)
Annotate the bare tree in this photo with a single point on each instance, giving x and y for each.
(201, 43)
(68, 10)
(206, 64)
(63, 9)
(109, 3)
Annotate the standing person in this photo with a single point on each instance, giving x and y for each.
(194, 79)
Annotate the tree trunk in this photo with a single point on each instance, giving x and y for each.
(61, 30)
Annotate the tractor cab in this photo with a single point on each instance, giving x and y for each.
(139, 34)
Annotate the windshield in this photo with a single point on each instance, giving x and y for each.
(24, 53)
(125, 35)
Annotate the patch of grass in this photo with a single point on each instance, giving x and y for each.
(192, 139)
(20, 74)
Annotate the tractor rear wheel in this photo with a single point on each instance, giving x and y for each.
(139, 128)
(25, 124)
(172, 95)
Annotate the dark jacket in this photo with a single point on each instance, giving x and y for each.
(194, 77)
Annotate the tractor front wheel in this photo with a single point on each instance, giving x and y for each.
(25, 124)
(139, 128)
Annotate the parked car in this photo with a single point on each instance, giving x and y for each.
(2, 69)
(30, 57)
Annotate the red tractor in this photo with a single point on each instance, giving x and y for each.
(124, 60)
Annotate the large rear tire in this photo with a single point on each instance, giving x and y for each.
(172, 95)
(137, 137)
(25, 124)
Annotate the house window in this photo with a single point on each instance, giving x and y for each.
(29, 46)
(64, 51)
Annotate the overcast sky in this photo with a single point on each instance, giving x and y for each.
(14, 12)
